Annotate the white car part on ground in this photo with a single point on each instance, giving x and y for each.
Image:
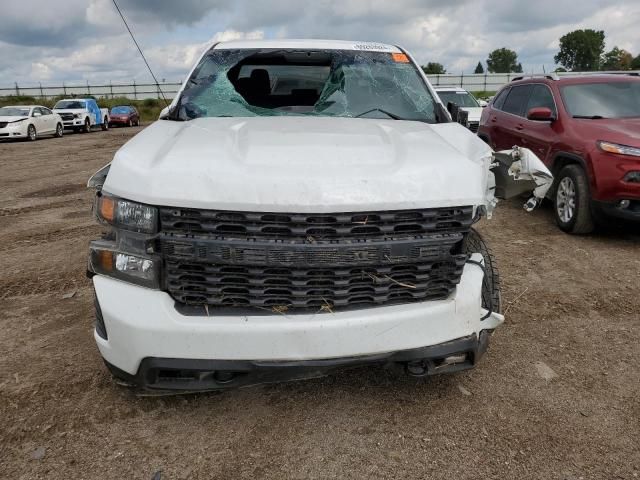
(519, 171)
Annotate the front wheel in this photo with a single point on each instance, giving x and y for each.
(491, 296)
(129, 123)
(31, 133)
(572, 203)
(87, 126)
(59, 130)
(105, 124)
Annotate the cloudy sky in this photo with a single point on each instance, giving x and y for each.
(78, 40)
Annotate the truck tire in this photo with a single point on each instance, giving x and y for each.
(491, 296)
(87, 126)
(572, 202)
(105, 124)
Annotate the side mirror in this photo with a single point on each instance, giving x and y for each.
(540, 114)
(482, 103)
(37, 114)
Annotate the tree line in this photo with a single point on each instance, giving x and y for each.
(580, 51)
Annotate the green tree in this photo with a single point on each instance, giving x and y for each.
(503, 60)
(434, 68)
(581, 50)
(479, 68)
(635, 63)
(616, 59)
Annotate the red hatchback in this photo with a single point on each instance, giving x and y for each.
(124, 115)
(586, 129)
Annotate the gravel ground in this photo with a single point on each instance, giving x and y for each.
(556, 397)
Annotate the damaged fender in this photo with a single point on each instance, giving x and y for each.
(518, 171)
(97, 179)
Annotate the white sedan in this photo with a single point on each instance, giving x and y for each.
(29, 121)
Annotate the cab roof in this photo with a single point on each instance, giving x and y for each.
(308, 44)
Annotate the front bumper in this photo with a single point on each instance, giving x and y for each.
(13, 132)
(143, 326)
(186, 375)
(119, 121)
(75, 123)
(630, 213)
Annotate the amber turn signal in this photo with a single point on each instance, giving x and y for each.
(105, 259)
(107, 208)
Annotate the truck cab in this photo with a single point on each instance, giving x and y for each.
(82, 114)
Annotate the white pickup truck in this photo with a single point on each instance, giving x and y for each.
(82, 114)
(302, 206)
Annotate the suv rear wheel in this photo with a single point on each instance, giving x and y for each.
(572, 203)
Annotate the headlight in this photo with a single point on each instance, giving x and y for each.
(619, 149)
(127, 215)
(124, 266)
(16, 124)
(77, 115)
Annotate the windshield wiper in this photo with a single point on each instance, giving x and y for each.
(389, 114)
(590, 117)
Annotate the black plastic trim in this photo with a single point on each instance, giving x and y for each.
(181, 375)
(611, 209)
(101, 328)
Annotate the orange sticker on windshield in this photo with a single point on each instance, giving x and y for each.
(400, 57)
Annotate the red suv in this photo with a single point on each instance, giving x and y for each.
(586, 129)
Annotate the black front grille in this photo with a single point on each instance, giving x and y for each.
(3, 124)
(314, 227)
(66, 116)
(235, 259)
(473, 126)
(282, 288)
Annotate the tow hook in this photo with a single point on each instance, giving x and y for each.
(418, 368)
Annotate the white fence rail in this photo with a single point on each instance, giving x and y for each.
(487, 82)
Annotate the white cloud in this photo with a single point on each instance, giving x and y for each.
(80, 39)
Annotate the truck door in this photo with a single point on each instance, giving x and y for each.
(92, 106)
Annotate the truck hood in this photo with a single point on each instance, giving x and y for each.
(70, 110)
(301, 164)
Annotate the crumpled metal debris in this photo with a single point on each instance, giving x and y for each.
(518, 171)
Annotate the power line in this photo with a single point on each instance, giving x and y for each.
(142, 54)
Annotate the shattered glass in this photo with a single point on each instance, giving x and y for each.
(357, 84)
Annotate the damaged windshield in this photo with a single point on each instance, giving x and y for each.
(333, 83)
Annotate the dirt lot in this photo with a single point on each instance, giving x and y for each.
(573, 306)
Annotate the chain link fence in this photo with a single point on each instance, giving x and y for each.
(134, 91)
(483, 82)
